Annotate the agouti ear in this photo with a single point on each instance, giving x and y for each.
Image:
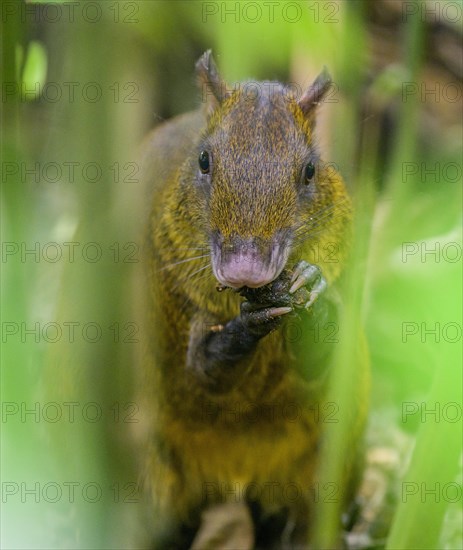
(213, 88)
(314, 95)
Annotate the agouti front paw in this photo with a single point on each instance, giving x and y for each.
(307, 277)
(296, 289)
(260, 321)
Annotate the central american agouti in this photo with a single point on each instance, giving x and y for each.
(248, 234)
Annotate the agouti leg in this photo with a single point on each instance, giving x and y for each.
(217, 355)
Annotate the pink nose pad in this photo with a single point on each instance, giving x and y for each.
(245, 270)
(248, 262)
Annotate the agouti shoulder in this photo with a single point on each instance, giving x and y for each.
(241, 207)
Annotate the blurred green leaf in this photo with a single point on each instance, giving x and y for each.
(35, 70)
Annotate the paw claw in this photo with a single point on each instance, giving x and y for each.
(300, 281)
(262, 320)
(300, 266)
(318, 289)
(311, 301)
(278, 311)
(306, 273)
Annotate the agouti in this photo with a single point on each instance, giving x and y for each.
(234, 380)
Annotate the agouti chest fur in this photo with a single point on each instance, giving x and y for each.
(235, 376)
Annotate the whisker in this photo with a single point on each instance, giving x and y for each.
(324, 212)
(190, 275)
(310, 232)
(314, 224)
(313, 228)
(309, 227)
(183, 262)
(201, 277)
(330, 207)
(200, 248)
(304, 238)
(198, 270)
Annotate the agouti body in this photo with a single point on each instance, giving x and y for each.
(241, 203)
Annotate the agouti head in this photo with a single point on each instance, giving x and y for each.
(259, 188)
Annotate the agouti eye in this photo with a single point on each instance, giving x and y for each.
(309, 172)
(203, 161)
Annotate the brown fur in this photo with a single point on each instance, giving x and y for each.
(198, 438)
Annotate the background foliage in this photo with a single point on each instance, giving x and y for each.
(394, 130)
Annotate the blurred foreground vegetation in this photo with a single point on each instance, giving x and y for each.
(79, 90)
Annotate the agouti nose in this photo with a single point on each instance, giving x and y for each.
(247, 263)
(238, 274)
